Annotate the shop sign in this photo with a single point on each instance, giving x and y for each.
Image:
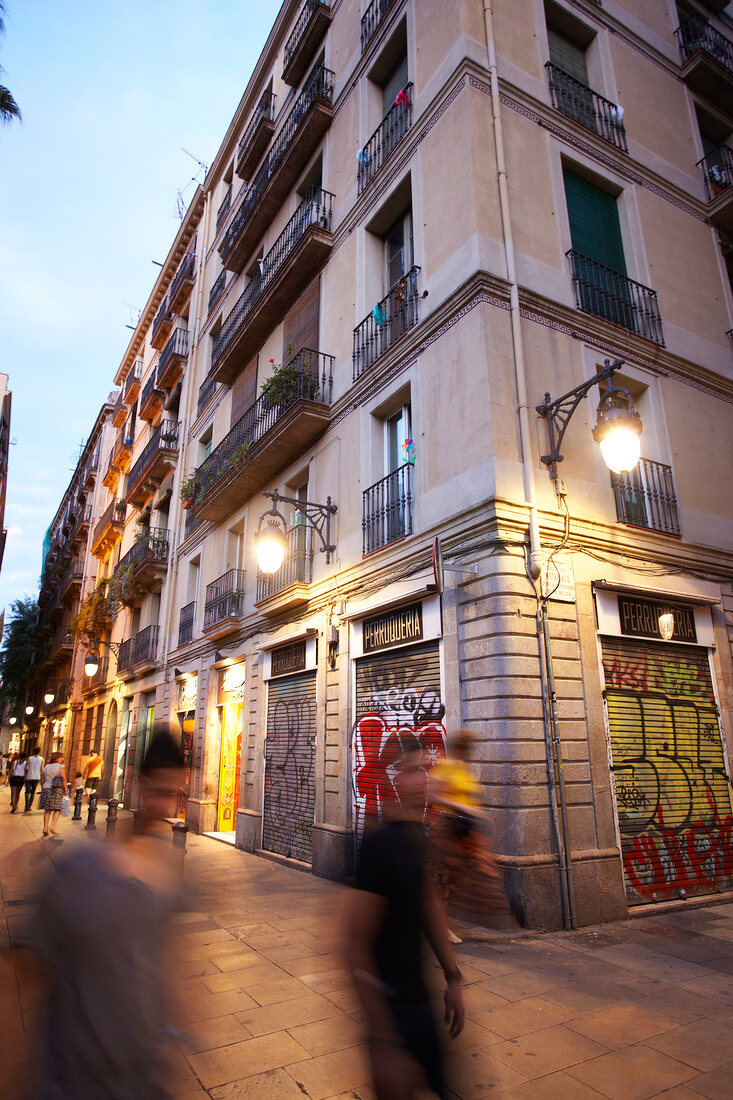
(397, 627)
(639, 618)
(187, 691)
(231, 685)
(288, 659)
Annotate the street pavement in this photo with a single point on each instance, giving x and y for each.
(636, 1009)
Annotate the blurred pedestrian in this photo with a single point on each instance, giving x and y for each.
(395, 905)
(464, 868)
(100, 935)
(32, 777)
(53, 790)
(93, 772)
(17, 778)
(4, 762)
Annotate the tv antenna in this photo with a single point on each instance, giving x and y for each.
(135, 315)
(202, 166)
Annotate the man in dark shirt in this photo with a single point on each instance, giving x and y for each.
(394, 906)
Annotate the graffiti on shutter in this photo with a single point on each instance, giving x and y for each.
(290, 794)
(398, 698)
(669, 770)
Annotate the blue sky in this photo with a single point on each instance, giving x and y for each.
(88, 183)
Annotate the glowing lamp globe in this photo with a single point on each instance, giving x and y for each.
(621, 449)
(49, 697)
(30, 708)
(666, 625)
(618, 430)
(271, 543)
(12, 720)
(91, 663)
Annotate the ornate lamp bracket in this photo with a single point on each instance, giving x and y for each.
(318, 517)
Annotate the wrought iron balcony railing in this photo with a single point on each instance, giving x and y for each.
(224, 598)
(182, 280)
(717, 171)
(309, 374)
(164, 437)
(185, 623)
(315, 209)
(217, 288)
(206, 390)
(697, 33)
(264, 111)
(132, 382)
(310, 27)
(371, 19)
(386, 510)
(390, 319)
(145, 645)
(297, 566)
(223, 210)
(124, 656)
(151, 544)
(175, 349)
(386, 137)
(163, 317)
(645, 497)
(614, 297)
(318, 87)
(149, 390)
(578, 101)
(192, 522)
(113, 514)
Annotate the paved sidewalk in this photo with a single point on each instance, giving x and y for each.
(638, 1009)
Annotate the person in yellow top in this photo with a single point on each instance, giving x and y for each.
(466, 872)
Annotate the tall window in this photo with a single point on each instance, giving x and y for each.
(398, 251)
(398, 459)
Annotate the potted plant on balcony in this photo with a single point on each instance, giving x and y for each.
(190, 487)
(239, 454)
(121, 507)
(288, 382)
(98, 612)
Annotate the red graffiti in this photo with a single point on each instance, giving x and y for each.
(644, 673)
(377, 748)
(697, 860)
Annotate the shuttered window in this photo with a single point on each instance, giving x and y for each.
(290, 792)
(669, 770)
(301, 327)
(99, 728)
(567, 56)
(86, 745)
(244, 391)
(595, 231)
(394, 83)
(398, 697)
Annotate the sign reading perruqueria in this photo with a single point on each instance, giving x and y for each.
(639, 618)
(288, 658)
(397, 627)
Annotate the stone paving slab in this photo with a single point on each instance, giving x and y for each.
(637, 1009)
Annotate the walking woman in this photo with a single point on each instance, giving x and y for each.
(17, 778)
(52, 792)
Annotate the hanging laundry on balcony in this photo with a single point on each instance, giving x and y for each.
(378, 315)
(402, 99)
(616, 115)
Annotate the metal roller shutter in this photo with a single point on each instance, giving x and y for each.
(669, 769)
(289, 797)
(398, 696)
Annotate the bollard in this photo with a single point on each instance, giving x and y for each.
(179, 830)
(92, 811)
(78, 798)
(111, 817)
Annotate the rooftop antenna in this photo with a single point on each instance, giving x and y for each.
(180, 204)
(200, 163)
(133, 318)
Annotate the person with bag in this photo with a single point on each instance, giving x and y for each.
(17, 779)
(52, 792)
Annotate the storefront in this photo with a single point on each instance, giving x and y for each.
(123, 743)
(290, 745)
(398, 696)
(668, 757)
(230, 710)
(187, 690)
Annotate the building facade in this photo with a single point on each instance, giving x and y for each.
(425, 222)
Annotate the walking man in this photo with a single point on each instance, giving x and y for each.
(32, 776)
(93, 771)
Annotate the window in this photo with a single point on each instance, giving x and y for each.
(398, 255)
(205, 445)
(387, 505)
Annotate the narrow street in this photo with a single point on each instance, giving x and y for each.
(631, 1010)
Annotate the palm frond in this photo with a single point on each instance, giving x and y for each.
(9, 109)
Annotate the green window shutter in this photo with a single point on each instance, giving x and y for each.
(594, 226)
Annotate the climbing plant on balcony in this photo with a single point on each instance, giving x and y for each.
(98, 611)
(288, 382)
(123, 588)
(189, 489)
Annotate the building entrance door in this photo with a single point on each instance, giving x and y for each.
(229, 763)
(290, 791)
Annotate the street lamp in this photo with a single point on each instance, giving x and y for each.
(91, 661)
(666, 625)
(12, 720)
(29, 709)
(49, 697)
(271, 540)
(617, 430)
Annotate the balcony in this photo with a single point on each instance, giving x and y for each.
(386, 510)
(124, 657)
(386, 137)
(223, 210)
(217, 289)
(108, 531)
(172, 360)
(290, 152)
(371, 19)
(61, 645)
(256, 136)
(182, 284)
(131, 387)
(645, 497)
(297, 255)
(224, 604)
(158, 458)
(151, 399)
(207, 390)
(90, 471)
(269, 435)
(111, 475)
(148, 558)
(576, 100)
(717, 171)
(119, 411)
(186, 620)
(162, 325)
(305, 38)
(145, 649)
(71, 580)
(707, 60)
(390, 319)
(122, 448)
(289, 586)
(192, 522)
(614, 297)
(82, 525)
